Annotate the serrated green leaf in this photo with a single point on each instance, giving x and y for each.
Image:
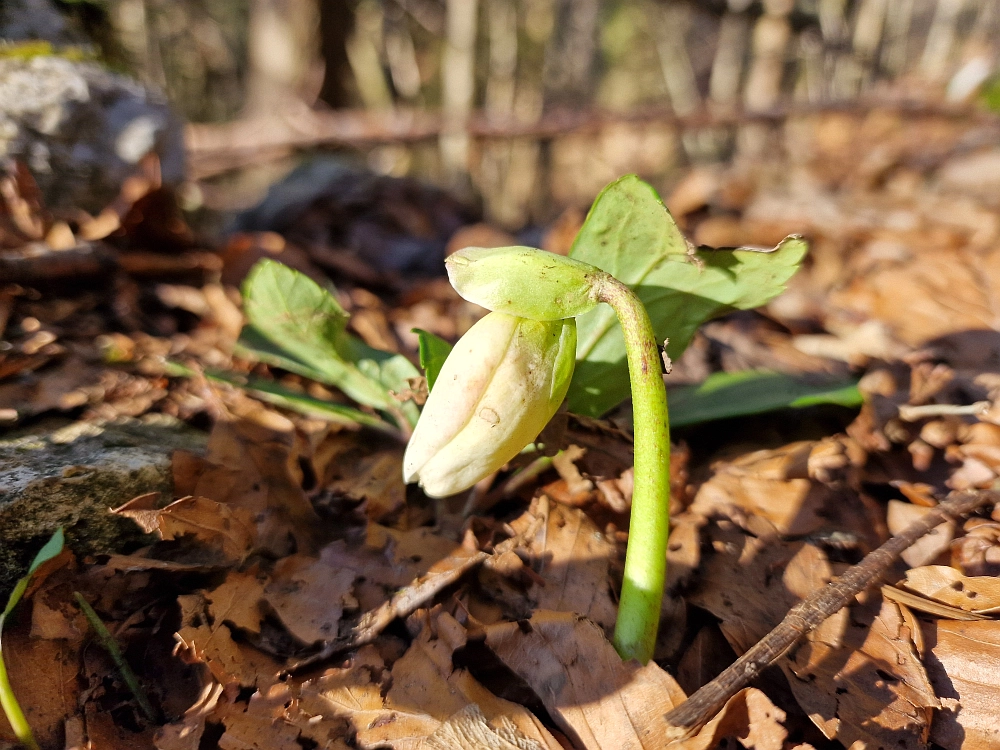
(737, 394)
(295, 324)
(434, 350)
(630, 234)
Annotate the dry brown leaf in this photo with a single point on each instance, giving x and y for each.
(224, 527)
(750, 583)
(232, 663)
(602, 703)
(979, 594)
(929, 547)
(251, 464)
(963, 663)
(570, 556)
(469, 729)
(865, 683)
(784, 489)
(426, 691)
(186, 733)
(43, 674)
(308, 596)
(376, 479)
(236, 601)
(858, 676)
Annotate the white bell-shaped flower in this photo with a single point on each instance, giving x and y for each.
(499, 387)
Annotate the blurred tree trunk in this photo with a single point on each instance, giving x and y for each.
(283, 54)
(336, 22)
(571, 56)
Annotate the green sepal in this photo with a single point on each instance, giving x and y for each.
(525, 282)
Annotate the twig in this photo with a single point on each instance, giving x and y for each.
(408, 599)
(810, 613)
(111, 646)
(913, 413)
(213, 148)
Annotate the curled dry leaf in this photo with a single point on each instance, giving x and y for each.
(308, 596)
(865, 683)
(899, 515)
(570, 556)
(790, 490)
(422, 693)
(858, 676)
(602, 703)
(979, 594)
(963, 663)
(222, 527)
(233, 663)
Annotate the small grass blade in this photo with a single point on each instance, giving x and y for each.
(8, 700)
(111, 646)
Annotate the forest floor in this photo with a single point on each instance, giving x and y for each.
(482, 620)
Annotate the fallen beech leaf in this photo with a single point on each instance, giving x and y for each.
(236, 601)
(979, 594)
(602, 703)
(186, 733)
(963, 663)
(751, 583)
(858, 676)
(377, 479)
(308, 596)
(220, 526)
(232, 663)
(867, 683)
(783, 488)
(426, 692)
(251, 463)
(469, 729)
(570, 556)
(926, 549)
(44, 673)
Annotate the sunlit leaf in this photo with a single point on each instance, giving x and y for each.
(279, 395)
(434, 350)
(630, 234)
(297, 325)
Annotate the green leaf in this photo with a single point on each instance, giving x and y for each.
(8, 701)
(295, 324)
(279, 395)
(737, 394)
(434, 350)
(630, 234)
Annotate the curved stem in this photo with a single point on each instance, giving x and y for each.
(646, 556)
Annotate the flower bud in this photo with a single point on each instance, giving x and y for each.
(524, 281)
(499, 387)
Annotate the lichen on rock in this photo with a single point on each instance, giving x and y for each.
(72, 477)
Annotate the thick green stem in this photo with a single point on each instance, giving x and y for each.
(646, 557)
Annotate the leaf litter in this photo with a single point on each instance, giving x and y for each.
(292, 538)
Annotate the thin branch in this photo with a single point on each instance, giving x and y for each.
(810, 613)
(213, 148)
(410, 598)
(913, 413)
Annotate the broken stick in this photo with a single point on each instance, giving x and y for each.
(810, 613)
(444, 573)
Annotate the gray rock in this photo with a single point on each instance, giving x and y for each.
(71, 477)
(82, 130)
(22, 20)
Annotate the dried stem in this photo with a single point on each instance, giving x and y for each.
(810, 613)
